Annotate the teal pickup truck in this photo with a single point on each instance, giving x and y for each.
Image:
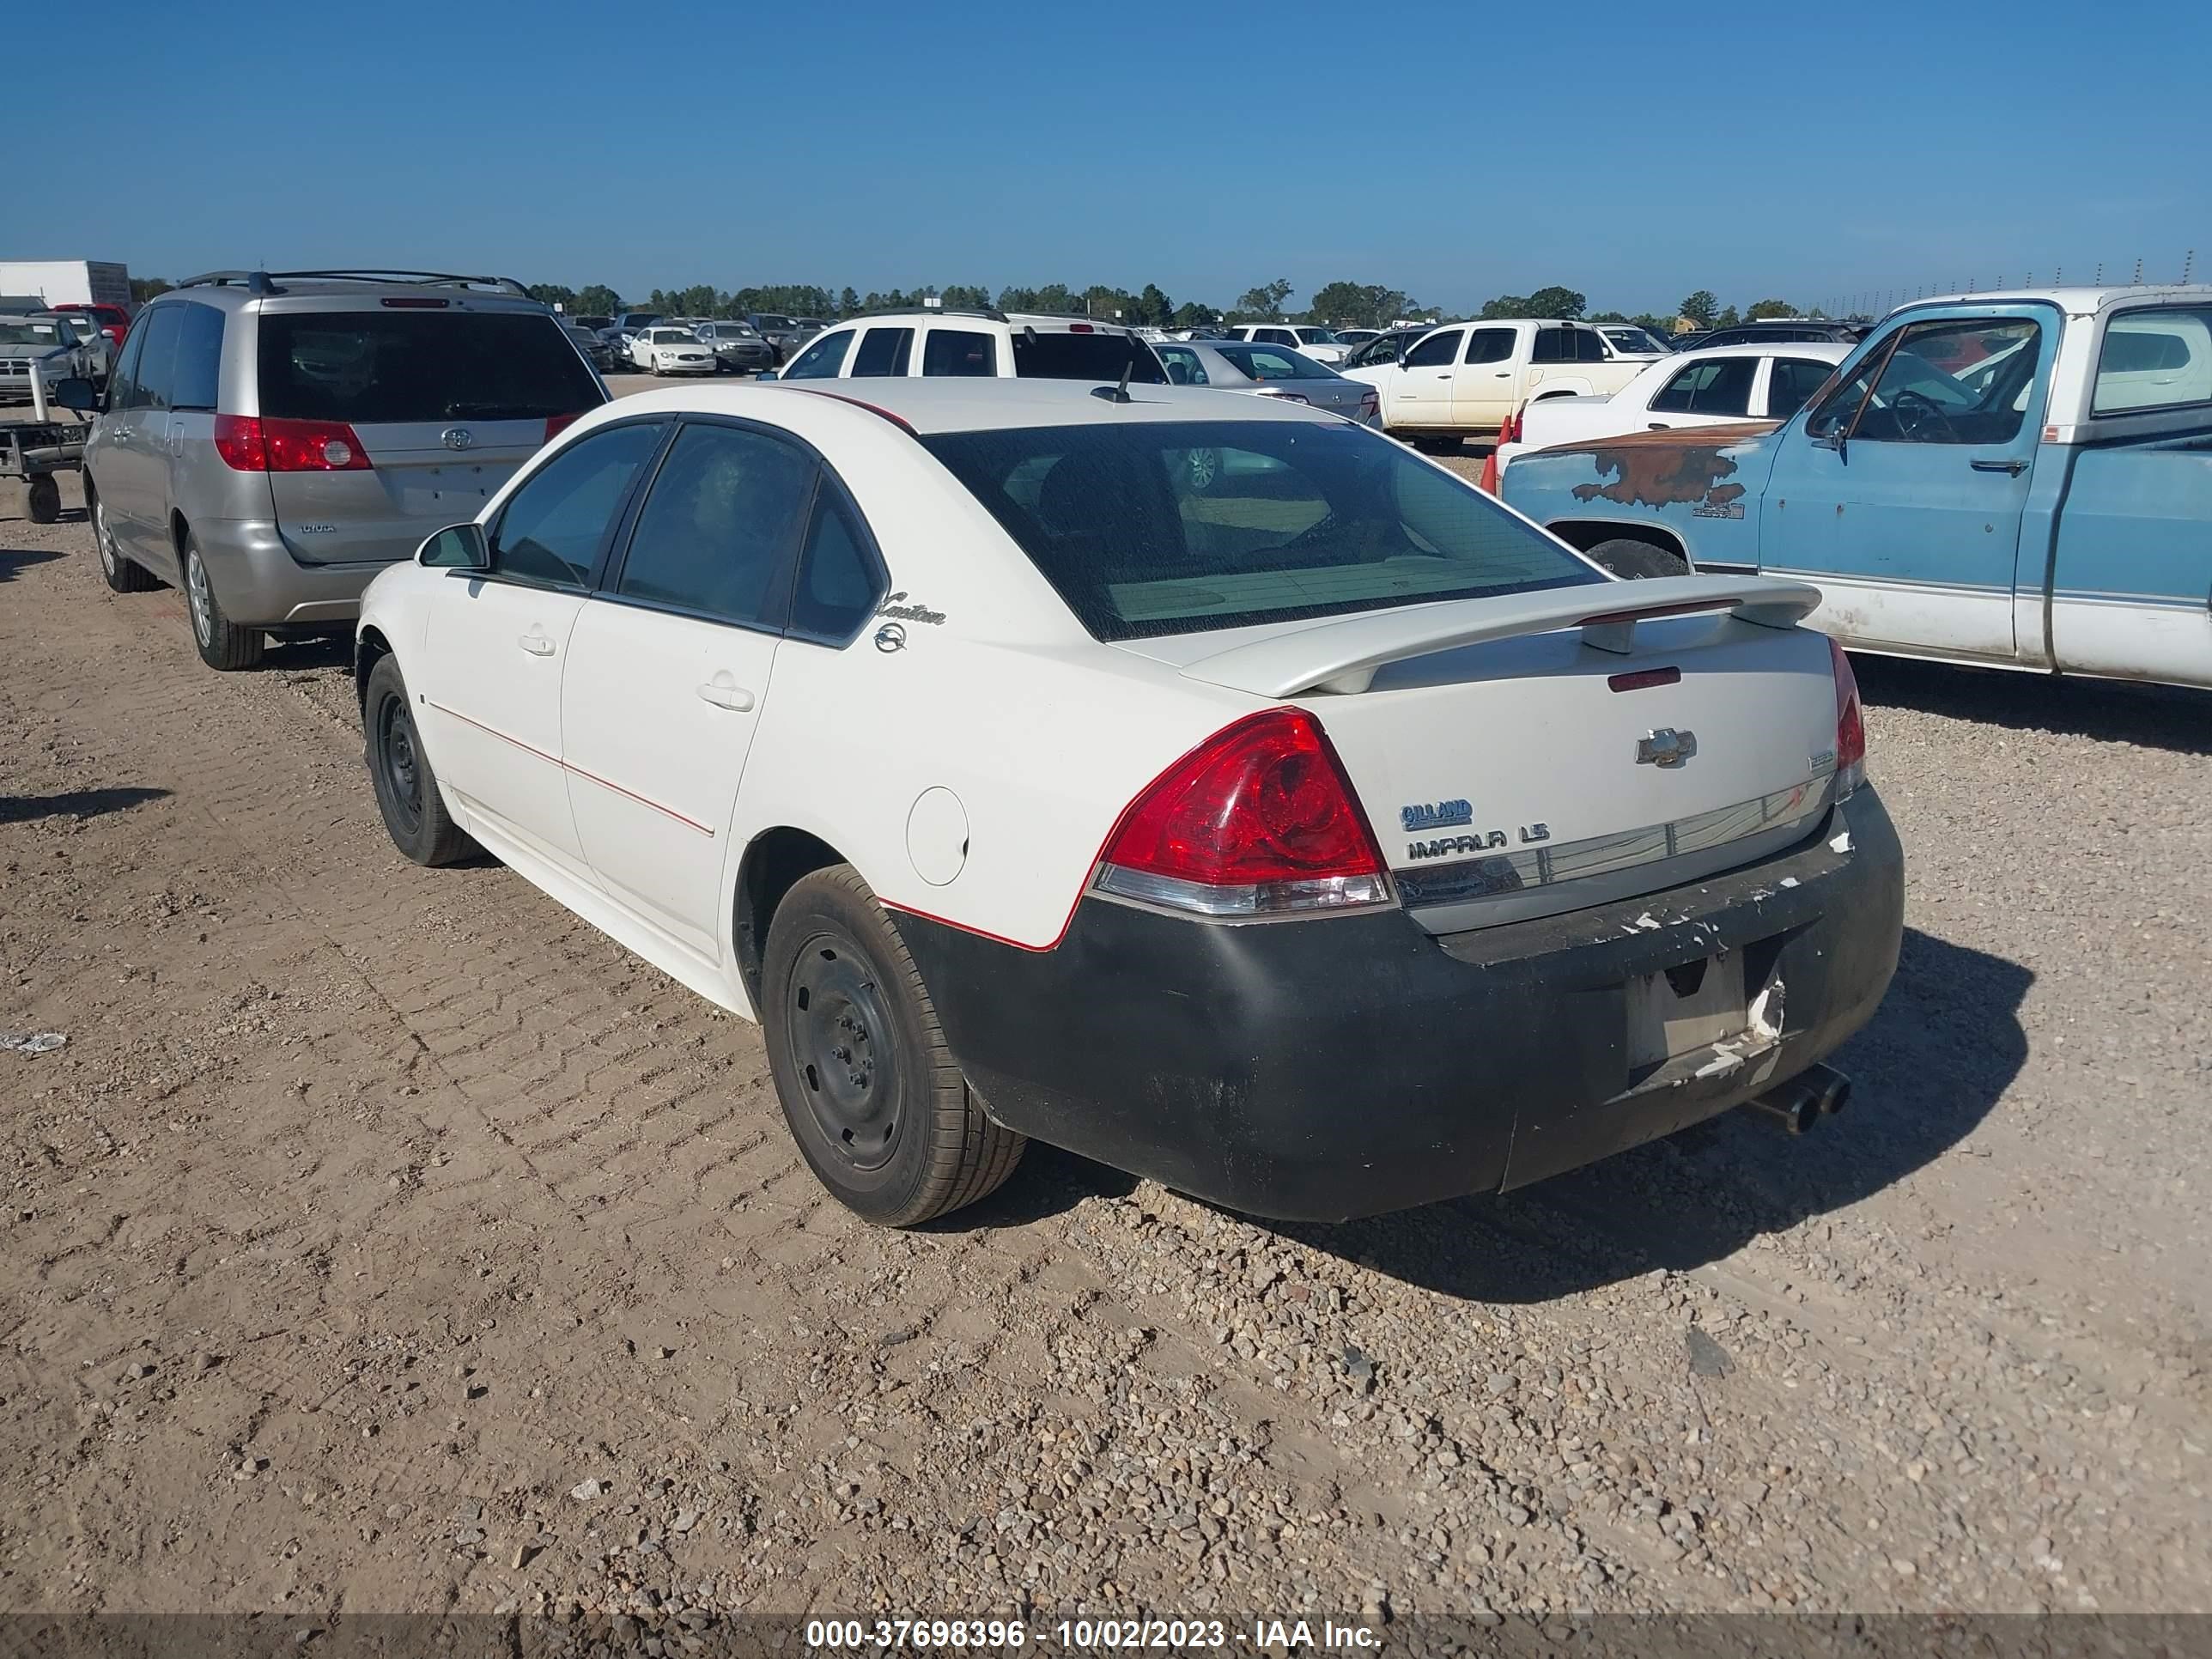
(2018, 480)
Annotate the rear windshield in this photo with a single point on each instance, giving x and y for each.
(377, 366)
(1040, 356)
(1180, 527)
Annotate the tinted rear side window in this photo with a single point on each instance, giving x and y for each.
(376, 366)
(199, 358)
(959, 351)
(1102, 357)
(1179, 527)
(883, 351)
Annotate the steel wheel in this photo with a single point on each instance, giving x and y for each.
(846, 1053)
(403, 770)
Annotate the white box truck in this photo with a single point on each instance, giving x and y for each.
(68, 281)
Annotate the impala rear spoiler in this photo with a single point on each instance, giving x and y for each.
(1342, 655)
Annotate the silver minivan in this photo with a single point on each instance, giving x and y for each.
(272, 440)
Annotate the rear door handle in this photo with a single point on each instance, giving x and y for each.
(724, 692)
(2015, 468)
(536, 644)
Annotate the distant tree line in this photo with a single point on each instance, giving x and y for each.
(1342, 305)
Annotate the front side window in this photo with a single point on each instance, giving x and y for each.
(717, 534)
(1183, 366)
(1489, 345)
(1953, 381)
(368, 367)
(121, 390)
(823, 361)
(553, 528)
(883, 351)
(1793, 382)
(157, 365)
(1721, 387)
(1293, 520)
(959, 352)
(2159, 359)
(1436, 351)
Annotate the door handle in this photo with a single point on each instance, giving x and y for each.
(726, 693)
(536, 644)
(2015, 468)
(1503, 374)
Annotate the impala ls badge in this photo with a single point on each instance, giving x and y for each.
(457, 437)
(1435, 815)
(1666, 747)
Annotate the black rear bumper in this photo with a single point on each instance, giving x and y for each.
(1347, 1065)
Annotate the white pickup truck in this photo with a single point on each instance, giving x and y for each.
(1464, 379)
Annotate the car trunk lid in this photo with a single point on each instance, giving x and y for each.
(1541, 752)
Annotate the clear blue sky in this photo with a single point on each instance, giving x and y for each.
(1455, 151)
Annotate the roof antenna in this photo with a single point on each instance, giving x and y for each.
(1117, 394)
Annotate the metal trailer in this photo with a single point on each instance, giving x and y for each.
(32, 451)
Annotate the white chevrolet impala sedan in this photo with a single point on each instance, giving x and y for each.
(1324, 841)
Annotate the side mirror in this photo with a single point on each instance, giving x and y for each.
(456, 547)
(768, 374)
(76, 392)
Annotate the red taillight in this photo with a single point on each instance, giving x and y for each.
(1850, 725)
(1258, 820)
(249, 443)
(557, 424)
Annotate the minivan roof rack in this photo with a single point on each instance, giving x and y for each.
(265, 282)
(990, 313)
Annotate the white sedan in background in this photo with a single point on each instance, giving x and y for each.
(1769, 382)
(1320, 841)
(664, 349)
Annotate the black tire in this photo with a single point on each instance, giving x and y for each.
(42, 499)
(220, 642)
(894, 1132)
(407, 791)
(119, 574)
(1435, 444)
(1638, 560)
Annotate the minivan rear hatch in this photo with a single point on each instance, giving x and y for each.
(444, 398)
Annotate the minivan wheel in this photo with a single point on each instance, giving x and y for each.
(221, 643)
(868, 1085)
(1638, 560)
(407, 791)
(120, 574)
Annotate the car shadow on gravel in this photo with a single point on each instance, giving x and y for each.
(1933, 1063)
(78, 804)
(2168, 717)
(14, 561)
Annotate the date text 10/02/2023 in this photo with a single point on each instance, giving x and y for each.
(1086, 1635)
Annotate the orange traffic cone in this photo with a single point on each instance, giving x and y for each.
(1509, 432)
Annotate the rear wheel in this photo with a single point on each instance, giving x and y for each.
(222, 642)
(1638, 560)
(407, 791)
(872, 1095)
(119, 574)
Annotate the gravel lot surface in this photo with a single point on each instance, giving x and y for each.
(387, 1239)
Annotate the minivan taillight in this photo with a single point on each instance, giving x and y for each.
(1258, 820)
(1850, 725)
(250, 443)
(557, 424)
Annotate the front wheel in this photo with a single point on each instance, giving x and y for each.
(222, 642)
(1638, 560)
(407, 791)
(868, 1085)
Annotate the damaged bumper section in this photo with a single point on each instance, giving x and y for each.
(1347, 1065)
